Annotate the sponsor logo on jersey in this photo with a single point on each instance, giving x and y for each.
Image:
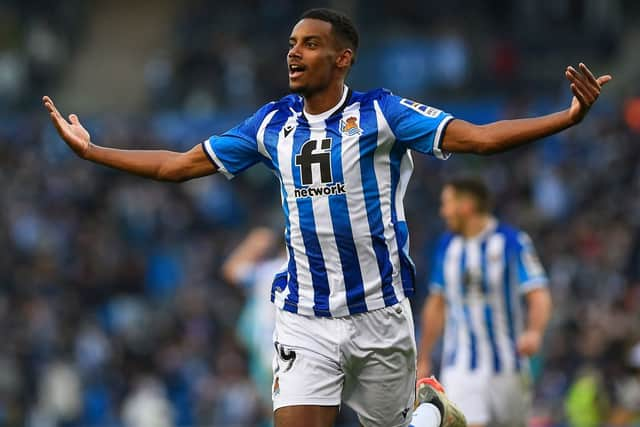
(314, 162)
(329, 190)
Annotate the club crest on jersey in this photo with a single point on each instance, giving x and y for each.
(350, 126)
(425, 110)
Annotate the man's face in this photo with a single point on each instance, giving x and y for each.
(312, 57)
(455, 208)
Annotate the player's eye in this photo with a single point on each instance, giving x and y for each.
(312, 44)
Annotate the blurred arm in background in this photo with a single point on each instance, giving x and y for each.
(538, 313)
(162, 165)
(465, 137)
(432, 324)
(254, 248)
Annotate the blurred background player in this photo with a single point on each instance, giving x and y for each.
(251, 268)
(482, 270)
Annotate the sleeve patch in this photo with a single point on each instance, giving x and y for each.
(425, 110)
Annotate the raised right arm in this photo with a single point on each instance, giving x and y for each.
(161, 165)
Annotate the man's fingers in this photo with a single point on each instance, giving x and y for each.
(58, 122)
(49, 105)
(602, 80)
(586, 93)
(578, 94)
(583, 79)
(589, 75)
(74, 119)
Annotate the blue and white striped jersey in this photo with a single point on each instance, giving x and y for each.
(343, 176)
(483, 279)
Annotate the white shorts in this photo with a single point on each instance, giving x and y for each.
(367, 361)
(500, 400)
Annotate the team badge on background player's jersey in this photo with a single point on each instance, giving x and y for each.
(350, 126)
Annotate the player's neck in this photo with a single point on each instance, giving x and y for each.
(475, 225)
(325, 100)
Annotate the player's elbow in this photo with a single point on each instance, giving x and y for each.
(464, 137)
(475, 140)
(484, 149)
(229, 274)
(172, 170)
(485, 142)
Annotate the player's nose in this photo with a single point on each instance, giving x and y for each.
(294, 52)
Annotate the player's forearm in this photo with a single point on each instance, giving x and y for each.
(539, 310)
(464, 137)
(506, 134)
(146, 163)
(161, 165)
(432, 324)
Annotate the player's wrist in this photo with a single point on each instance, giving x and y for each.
(88, 151)
(534, 333)
(573, 117)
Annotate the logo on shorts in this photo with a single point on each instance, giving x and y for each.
(350, 126)
(405, 412)
(286, 357)
(276, 387)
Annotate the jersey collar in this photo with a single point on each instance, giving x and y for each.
(346, 95)
(492, 224)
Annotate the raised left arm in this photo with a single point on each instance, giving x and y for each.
(465, 137)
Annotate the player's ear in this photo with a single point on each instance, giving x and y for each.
(345, 59)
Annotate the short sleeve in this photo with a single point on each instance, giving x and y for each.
(237, 149)
(531, 273)
(419, 127)
(436, 280)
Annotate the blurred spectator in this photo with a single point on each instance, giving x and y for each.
(60, 395)
(147, 406)
(628, 392)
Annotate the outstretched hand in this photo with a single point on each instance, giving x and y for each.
(586, 89)
(73, 133)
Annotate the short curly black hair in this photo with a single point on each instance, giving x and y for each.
(342, 26)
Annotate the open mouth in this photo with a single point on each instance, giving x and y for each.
(296, 70)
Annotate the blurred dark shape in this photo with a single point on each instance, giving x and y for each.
(632, 114)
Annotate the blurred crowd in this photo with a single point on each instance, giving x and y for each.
(113, 307)
(36, 41)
